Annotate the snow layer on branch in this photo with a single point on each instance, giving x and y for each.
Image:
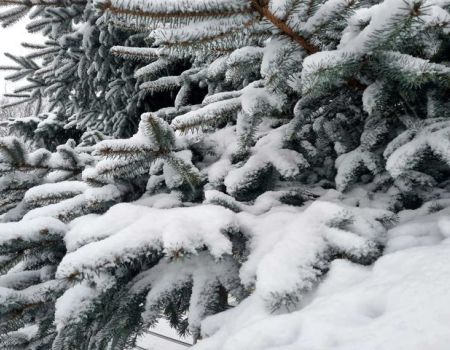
(370, 96)
(200, 30)
(193, 6)
(281, 8)
(71, 302)
(36, 294)
(207, 115)
(289, 247)
(31, 230)
(261, 204)
(27, 333)
(267, 151)
(399, 304)
(19, 279)
(350, 163)
(408, 155)
(148, 230)
(70, 208)
(91, 228)
(325, 13)
(385, 17)
(54, 191)
(140, 143)
(247, 54)
(337, 62)
(259, 101)
(76, 299)
(142, 53)
(203, 271)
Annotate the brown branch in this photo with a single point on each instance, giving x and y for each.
(262, 7)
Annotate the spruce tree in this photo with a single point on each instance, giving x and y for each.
(290, 136)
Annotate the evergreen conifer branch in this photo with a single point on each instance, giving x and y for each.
(262, 7)
(192, 13)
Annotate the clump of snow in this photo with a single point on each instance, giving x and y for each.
(32, 230)
(49, 191)
(268, 151)
(434, 137)
(75, 300)
(78, 205)
(131, 230)
(289, 246)
(421, 227)
(370, 97)
(348, 164)
(202, 271)
(380, 17)
(161, 200)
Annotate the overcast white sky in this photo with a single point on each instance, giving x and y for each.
(10, 40)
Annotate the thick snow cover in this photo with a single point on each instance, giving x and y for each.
(399, 302)
(402, 302)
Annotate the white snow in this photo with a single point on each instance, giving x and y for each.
(57, 190)
(174, 6)
(72, 207)
(130, 230)
(370, 97)
(203, 271)
(76, 299)
(268, 150)
(32, 230)
(435, 137)
(208, 114)
(401, 303)
(288, 245)
(349, 163)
